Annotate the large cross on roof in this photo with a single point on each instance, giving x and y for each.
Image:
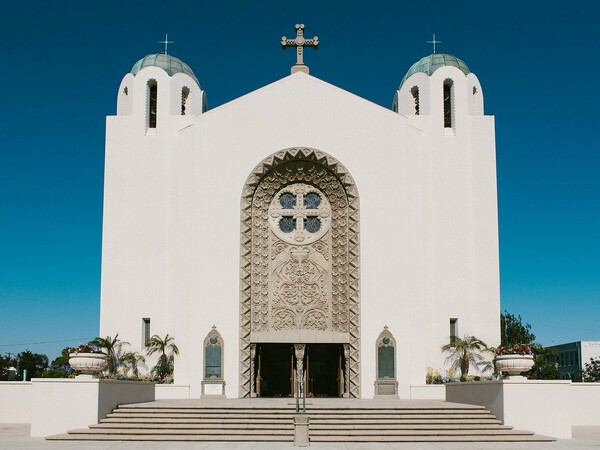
(299, 42)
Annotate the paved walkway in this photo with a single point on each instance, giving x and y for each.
(16, 436)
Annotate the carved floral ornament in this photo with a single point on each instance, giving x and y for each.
(300, 252)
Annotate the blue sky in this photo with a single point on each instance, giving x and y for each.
(538, 63)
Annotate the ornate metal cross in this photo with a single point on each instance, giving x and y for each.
(299, 42)
(434, 42)
(166, 42)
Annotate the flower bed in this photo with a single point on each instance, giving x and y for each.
(516, 349)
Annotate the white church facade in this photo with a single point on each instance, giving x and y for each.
(308, 225)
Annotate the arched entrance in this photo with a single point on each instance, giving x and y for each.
(299, 274)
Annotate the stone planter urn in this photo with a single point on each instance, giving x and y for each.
(513, 365)
(89, 364)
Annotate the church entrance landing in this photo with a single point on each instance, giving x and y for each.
(323, 370)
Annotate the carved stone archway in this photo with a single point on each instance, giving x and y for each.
(284, 168)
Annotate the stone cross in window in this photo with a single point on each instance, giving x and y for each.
(299, 42)
(166, 42)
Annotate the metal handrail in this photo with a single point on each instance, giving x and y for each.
(300, 394)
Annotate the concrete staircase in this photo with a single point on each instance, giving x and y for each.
(331, 420)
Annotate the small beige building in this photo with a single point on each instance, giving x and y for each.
(312, 228)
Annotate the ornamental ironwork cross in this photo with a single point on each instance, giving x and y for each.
(434, 42)
(299, 42)
(166, 42)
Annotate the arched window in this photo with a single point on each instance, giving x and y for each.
(213, 383)
(152, 103)
(448, 103)
(414, 93)
(185, 93)
(386, 384)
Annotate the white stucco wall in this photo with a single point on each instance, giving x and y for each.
(428, 392)
(15, 401)
(428, 220)
(541, 406)
(62, 404)
(585, 401)
(172, 391)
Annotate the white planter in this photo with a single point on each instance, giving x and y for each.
(513, 365)
(89, 364)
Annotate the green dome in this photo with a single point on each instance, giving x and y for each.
(168, 63)
(431, 63)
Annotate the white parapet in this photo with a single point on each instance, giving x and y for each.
(541, 406)
(15, 401)
(62, 404)
(428, 392)
(172, 391)
(585, 401)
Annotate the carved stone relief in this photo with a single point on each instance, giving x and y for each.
(299, 253)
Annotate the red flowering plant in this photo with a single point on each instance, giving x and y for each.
(85, 348)
(515, 349)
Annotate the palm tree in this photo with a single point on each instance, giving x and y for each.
(164, 366)
(132, 360)
(112, 347)
(464, 352)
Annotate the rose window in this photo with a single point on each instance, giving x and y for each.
(299, 214)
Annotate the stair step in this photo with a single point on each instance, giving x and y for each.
(313, 426)
(266, 438)
(346, 423)
(336, 412)
(157, 437)
(173, 431)
(354, 421)
(289, 416)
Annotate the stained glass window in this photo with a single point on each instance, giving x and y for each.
(312, 200)
(312, 224)
(300, 214)
(212, 362)
(287, 224)
(287, 200)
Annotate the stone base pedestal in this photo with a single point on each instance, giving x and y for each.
(541, 406)
(386, 389)
(299, 68)
(301, 438)
(213, 389)
(62, 404)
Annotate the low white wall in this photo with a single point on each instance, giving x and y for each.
(62, 404)
(120, 392)
(541, 406)
(427, 392)
(15, 401)
(172, 391)
(585, 404)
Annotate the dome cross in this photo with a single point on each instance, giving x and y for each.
(434, 42)
(166, 42)
(299, 42)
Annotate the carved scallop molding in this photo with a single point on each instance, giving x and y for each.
(312, 167)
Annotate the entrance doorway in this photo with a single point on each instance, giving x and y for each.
(324, 370)
(275, 370)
